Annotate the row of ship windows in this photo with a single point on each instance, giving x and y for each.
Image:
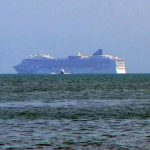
(68, 64)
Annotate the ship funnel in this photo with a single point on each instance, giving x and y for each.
(98, 52)
(79, 54)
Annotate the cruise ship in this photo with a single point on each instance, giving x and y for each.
(98, 63)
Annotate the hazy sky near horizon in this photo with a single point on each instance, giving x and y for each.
(64, 27)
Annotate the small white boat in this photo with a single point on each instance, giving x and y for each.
(62, 71)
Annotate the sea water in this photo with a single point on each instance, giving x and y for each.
(103, 112)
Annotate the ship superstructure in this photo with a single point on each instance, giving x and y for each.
(79, 64)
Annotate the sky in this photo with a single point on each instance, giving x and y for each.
(65, 27)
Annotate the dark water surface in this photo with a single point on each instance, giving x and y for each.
(103, 112)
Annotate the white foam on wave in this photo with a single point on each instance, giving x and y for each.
(66, 103)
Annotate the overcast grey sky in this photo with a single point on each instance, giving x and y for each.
(64, 27)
